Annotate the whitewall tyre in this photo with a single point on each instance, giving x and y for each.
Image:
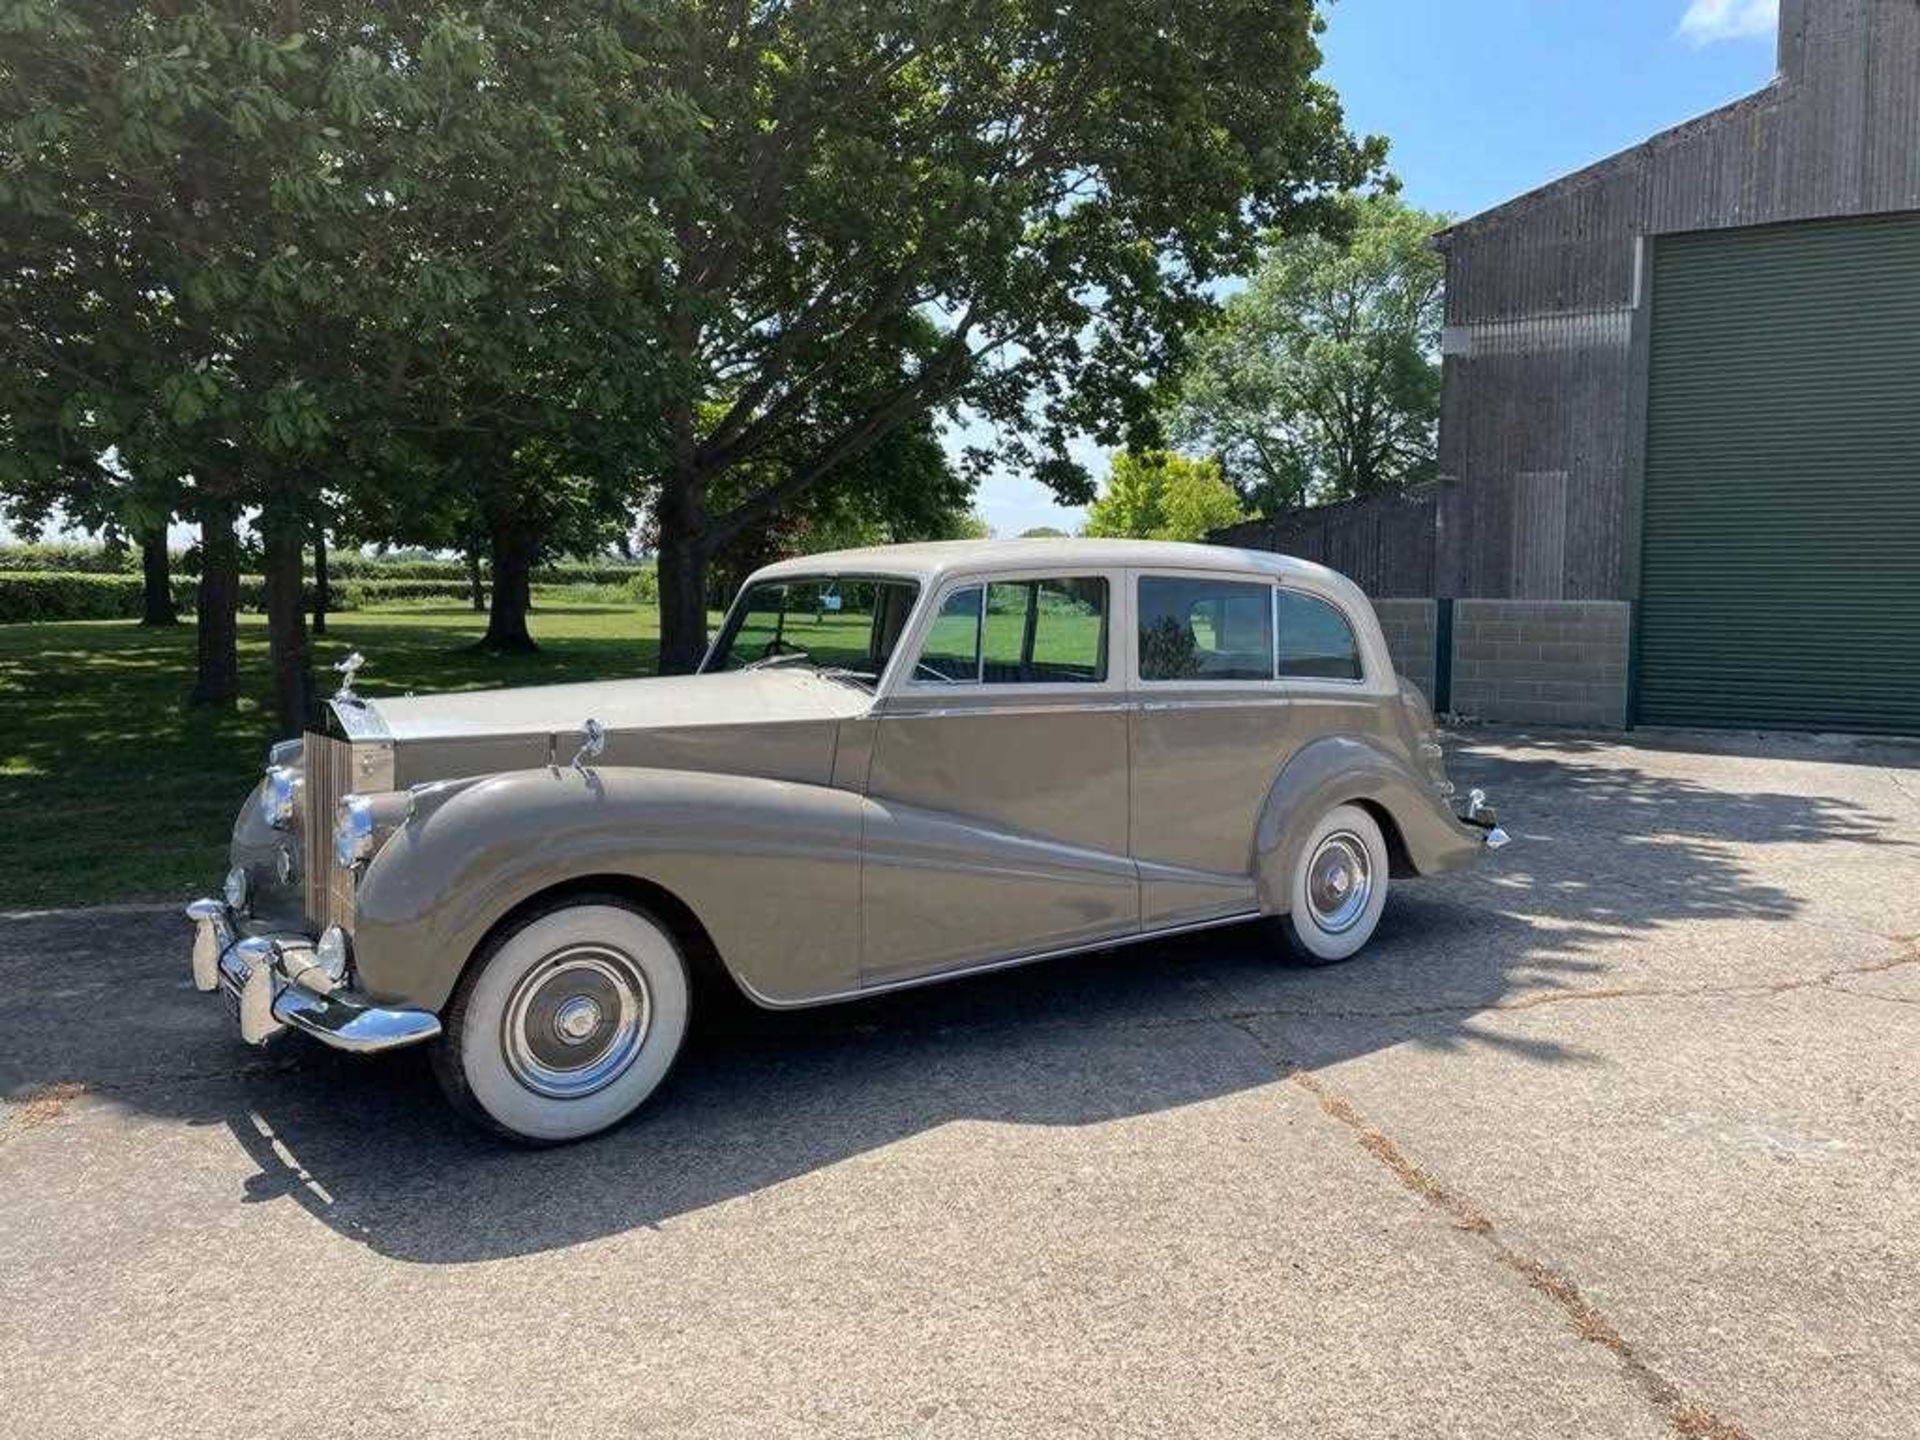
(1338, 887)
(564, 1025)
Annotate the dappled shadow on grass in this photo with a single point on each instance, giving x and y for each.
(1607, 855)
(113, 787)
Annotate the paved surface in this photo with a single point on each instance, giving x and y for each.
(1618, 1136)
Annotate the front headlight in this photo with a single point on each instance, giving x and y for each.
(280, 796)
(353, 830)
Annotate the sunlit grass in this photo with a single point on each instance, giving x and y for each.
(113, 788)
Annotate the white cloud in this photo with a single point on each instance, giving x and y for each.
(1709, 20)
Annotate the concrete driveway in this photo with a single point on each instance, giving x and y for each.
(1618, 1136)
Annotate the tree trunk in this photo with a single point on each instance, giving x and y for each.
(683, 559)
(322, 597)
(513, 551)
(473, 580)
(156, 568)
(682, 575)
(287, 623)
(217, 678)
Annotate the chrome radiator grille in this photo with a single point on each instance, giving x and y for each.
(334, 768)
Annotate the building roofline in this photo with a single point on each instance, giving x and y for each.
(1529, 200)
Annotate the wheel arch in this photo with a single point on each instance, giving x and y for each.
(1358, 770)
(760, 875)
(706, 969)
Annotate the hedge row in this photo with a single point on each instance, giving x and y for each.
(70, 558)
(29, 595)
(73, 559)
(564, 572)
(51, 595)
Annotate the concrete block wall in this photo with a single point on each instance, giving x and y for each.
(1554, 662)
(1409, 629)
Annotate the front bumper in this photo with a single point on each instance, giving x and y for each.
(261, 977)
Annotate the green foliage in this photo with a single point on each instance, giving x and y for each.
(1043, 532)
(55, 595)
(1322, 380)
(488, 275)
(1160, 495)
(33, 595)
(70, 557)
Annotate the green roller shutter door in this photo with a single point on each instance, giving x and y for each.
(1780, 555)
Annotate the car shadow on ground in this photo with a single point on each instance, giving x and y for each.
(367, 1147)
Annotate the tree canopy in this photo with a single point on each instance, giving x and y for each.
(1160, 495)
(496, 274)
(1321, 380)
(1025, 203)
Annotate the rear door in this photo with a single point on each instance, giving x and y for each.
(1210, 731)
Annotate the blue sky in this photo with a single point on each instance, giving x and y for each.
(1485, 99)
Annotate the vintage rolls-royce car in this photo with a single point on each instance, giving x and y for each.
(895, 765)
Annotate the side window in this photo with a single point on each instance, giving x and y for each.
(1029, 632)
(1316, 642)
(1199, 629)
(1046, 632)
(952, 649)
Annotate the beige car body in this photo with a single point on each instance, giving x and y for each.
(826, 842)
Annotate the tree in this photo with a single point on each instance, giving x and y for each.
(902, 489)
(1052, 188)
(1043, 532)
(275, 253)
(1322, 379)
(1160, 495)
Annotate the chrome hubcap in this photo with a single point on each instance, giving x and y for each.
(576, 1021)
(1339, 882)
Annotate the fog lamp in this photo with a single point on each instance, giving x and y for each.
(331, 954)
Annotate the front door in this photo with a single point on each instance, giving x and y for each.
(998, 818)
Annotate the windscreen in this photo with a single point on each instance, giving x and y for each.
(847, 624)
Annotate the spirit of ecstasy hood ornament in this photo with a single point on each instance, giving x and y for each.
(348, 668)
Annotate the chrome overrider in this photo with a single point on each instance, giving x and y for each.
(276, 981)
(1480, 815)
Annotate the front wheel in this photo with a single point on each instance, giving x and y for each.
(1338, 887)
(566, 1023)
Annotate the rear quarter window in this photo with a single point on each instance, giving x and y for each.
(1316, 640)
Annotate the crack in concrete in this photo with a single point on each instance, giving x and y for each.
(1599, 993)
(1689, 1418)
(1894, 779)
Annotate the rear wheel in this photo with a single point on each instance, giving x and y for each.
(1339, 886)
(565, 1024)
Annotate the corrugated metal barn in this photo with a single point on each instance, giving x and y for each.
(1680, 433)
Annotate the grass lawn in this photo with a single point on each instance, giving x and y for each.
(113, 788)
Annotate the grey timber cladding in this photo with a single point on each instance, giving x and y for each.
(1548, 295)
